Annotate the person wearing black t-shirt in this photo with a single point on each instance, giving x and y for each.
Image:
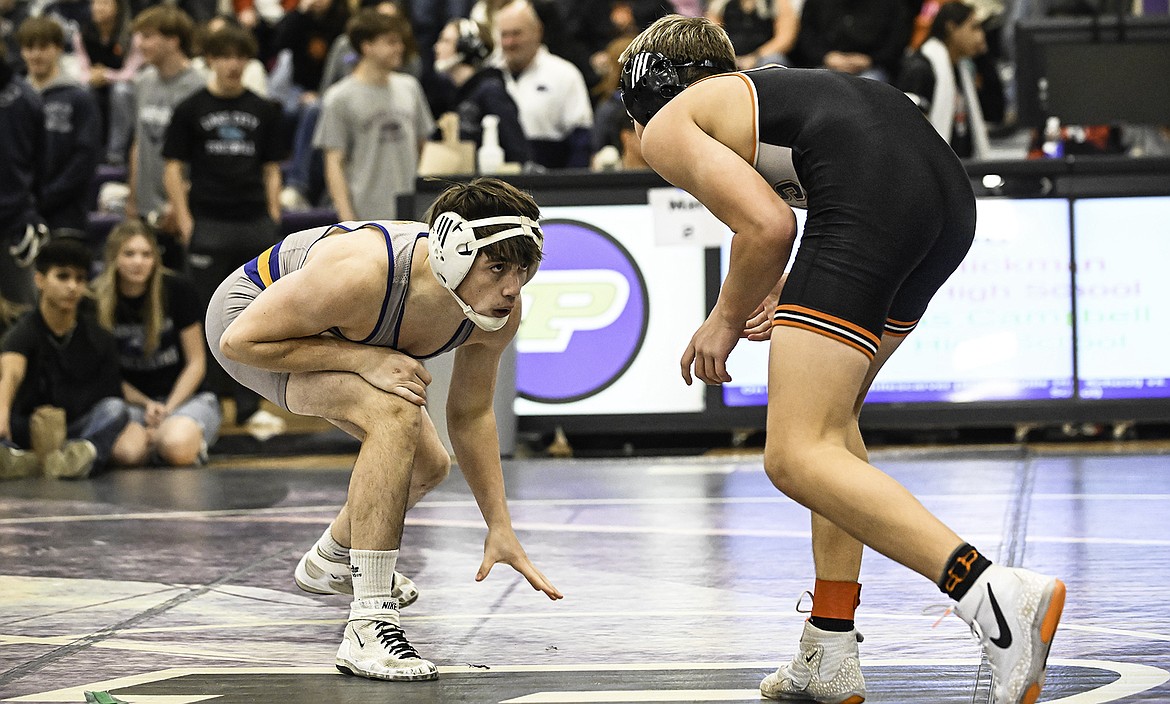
(54, 356)
(227, 138)
(157, 319)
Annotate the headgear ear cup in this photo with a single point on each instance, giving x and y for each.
(470, 45)
(449, 244)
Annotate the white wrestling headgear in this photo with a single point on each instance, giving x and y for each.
(453, 247)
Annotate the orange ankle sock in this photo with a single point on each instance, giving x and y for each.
(834, 604)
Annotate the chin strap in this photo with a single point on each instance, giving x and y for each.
(490, 323)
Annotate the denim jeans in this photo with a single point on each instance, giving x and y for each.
(305, 159)
(101, 426)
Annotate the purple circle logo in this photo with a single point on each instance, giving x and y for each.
(585, 315)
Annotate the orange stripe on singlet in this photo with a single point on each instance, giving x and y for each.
(827, 333)
(909, 327)
(854, 327)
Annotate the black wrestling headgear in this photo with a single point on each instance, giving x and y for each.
(649, 81)
(470, 46)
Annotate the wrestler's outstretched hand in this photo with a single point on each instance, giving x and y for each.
(501, 545)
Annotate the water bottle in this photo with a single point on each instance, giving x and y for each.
(490, 156)
(1053, 147)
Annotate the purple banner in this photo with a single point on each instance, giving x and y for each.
(942, 392)
(1125, 388)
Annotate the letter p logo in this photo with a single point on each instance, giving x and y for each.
(559, 303)
(585, 315)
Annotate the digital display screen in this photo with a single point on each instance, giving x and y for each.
(999, 329)
(1123, 297)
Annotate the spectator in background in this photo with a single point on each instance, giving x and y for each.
(460, 55)
(647, 11)
(611, 122)
(12, 13)
(484, 12)
(107, 61)
(575, 32)
(55, 357)
(302, 40)
(762, 31)
(373, 123)
(555, 111)
(72, 128)
(260, 17)
(861, 37)
(621, 149)
(157, 318)
(22, 137)
(14, 462)
(343, 57)
(164, 35)
(428, 17)
(940, 78)
(591, 24)
(306, 170)
(255, 76)
(305, 35)
(609, 70)
(227, 139)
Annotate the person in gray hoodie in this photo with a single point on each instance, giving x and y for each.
(72, 127)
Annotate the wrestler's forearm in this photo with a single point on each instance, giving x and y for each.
(303, 354)
(743, 288)
(477, 449)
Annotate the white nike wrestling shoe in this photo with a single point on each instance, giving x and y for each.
(317, 574)
(826, 670)
(1014, 613)
(375, 646)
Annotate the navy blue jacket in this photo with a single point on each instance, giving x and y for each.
(22, 128)
(485, 94)
(73, 142)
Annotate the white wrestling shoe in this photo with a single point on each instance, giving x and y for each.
(374, 645)
(826, 670)
(317, 574)
(1014, 613)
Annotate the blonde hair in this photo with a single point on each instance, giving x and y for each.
(105, 286)
(684, 39)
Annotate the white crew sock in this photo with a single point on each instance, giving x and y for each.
(373, 573)
(330, 549)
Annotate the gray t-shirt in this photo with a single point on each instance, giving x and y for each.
(378, 129)
(154, 100)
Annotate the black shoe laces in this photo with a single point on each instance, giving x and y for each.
(394, 640)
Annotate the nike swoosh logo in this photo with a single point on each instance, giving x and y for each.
(809, 659)
(358, 637)
(1004, 640)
